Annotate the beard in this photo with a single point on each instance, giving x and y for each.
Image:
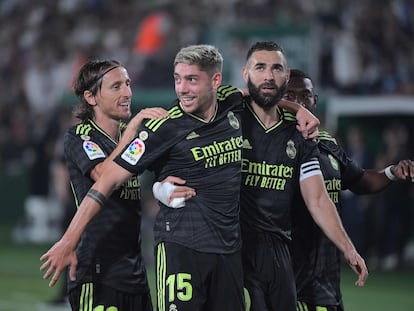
(266, 101)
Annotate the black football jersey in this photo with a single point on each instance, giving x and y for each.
(208, 156)
(316, 260)
(270, 173)
(109, 249)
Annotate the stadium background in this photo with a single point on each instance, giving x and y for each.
(361, 60)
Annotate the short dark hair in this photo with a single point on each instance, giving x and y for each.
(264, 46)
(296, 73)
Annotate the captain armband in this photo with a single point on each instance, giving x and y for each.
(390, 175)
(310, 168)
(96, 196)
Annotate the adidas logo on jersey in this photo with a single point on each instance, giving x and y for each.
(192, 135)
(246, 144)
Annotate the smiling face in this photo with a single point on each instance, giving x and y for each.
(196, 89)
(266, 74)
(113, 99)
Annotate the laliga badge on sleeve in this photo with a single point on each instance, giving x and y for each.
(134, 152)
(93, 151)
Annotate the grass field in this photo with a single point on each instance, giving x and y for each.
(23, 289)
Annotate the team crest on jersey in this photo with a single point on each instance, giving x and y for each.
(143, 135)
(134, 151)
(93, 151)
(334, 162)
(233, 120)
(291, 149)
(172, 307)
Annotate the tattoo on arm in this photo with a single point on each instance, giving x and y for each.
(96, 196)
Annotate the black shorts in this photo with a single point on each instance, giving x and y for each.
(303, 306)
(268, 273)
(94, 296)
(188, 280)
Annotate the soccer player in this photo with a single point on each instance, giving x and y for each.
(316, 260)
(278, 163)
(110, 270)
(197, 248)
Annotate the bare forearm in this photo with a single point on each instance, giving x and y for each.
(327, 218)
(134, 124)
(371, 182)
(324, 212)
(290, 106)
(85, 213)
(91, 205)
(307, 123)
(127, 136)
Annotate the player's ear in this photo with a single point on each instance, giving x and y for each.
(216, 80)
(245, 74)
(315, 100)
(89, 97)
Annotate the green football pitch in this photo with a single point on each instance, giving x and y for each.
(23, 289)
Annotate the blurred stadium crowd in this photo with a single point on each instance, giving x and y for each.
(360, 47)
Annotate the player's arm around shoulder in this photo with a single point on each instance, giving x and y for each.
(232, 96)
(137, 121)
(307, 122)
(146, 113)
(128, 135)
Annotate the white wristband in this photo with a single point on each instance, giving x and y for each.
(389, 173)
(162, 192)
